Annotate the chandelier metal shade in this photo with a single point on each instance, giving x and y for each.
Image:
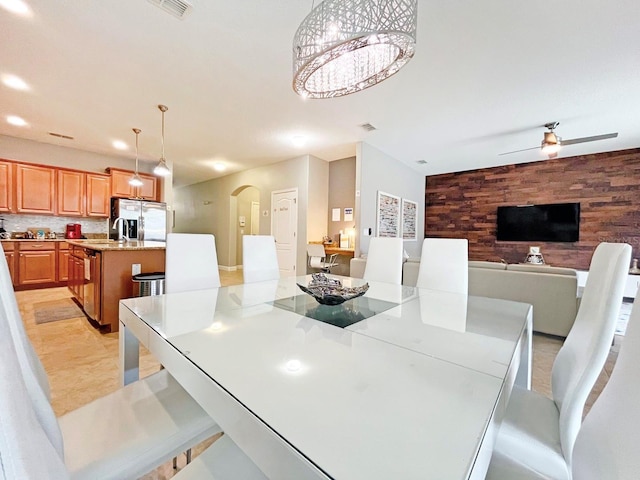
(135, 180)
(162, 169)
(344, 46)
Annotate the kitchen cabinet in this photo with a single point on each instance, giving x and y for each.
(75, 269)
(6, 186)
(71, 193)
(98, 195)
(120, 185)
(36, 263)
(35, 189)
(63, 262)
(9, 255)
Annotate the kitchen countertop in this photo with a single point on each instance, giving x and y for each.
(34, 240)
(104, 245)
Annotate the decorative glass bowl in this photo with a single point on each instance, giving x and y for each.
(329, 291)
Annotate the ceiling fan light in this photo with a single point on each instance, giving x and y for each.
(551, 143)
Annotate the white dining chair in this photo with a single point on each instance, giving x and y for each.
(259, 258)
(123, 434)
(384, 260)
(537, 435)
(444, 265)
(607, 444)
(318, 257)
(191, 262)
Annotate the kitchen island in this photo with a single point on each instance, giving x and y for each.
(100, 272)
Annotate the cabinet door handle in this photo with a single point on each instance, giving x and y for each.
(38, 246)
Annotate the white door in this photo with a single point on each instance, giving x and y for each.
(284, 222)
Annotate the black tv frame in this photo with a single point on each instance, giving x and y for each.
(552, 222)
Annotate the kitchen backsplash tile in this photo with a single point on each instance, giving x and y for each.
(20, 223)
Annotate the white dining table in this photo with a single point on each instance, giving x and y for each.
(401, 383)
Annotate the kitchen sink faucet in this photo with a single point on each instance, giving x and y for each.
(122, 232)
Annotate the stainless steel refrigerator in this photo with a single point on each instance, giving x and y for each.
(145, 220)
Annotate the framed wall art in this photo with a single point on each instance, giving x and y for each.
(388, 215)
(409, 220)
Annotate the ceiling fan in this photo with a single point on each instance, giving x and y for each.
(552, 143)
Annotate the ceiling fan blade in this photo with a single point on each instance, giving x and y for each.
(594, 138)
(516, 151)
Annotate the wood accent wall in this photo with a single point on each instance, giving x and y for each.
(607, 185)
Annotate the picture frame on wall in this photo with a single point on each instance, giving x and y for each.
(388, 215)
(409, 220)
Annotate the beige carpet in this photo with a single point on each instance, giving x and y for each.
(52, 311)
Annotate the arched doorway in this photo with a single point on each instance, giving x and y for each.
(245, 216)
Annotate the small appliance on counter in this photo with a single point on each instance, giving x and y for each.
(74, 230)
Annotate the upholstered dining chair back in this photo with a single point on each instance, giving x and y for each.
(26, 451)
(259, 258)
(585, 350)
(384, 260)
(31, 368)
(444, 265)
(607, 444)
(191, 262)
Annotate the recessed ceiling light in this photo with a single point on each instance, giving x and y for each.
(120, 145)
(14, 82)
(17, 121)
(299, 140)
(19, 7)
(219, 167)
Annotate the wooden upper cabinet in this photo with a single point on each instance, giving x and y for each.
(120, 185)
(71, 191)
(98, 195)
(35, 189)
(6, 186)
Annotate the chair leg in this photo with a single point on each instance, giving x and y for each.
(175, 463)
(188, 456)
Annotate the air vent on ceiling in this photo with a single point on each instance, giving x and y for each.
(59, 135)
(421, 162)
(368, 127)
(177, 8)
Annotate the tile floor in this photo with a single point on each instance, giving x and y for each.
(82, 364)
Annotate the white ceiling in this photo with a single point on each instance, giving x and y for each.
(486, 76)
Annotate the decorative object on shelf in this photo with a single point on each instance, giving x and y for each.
(534, 256)
(344, 46)
(162, 169)
(329, 291)
(136, 181)
(634, 270)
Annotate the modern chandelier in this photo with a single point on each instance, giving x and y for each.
(162, 169)
(344, 46)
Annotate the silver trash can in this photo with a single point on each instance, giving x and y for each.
(149, 283)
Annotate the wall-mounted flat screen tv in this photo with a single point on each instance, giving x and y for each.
(557, 222)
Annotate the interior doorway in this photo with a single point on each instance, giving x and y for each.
(284, 226)
(243, 219)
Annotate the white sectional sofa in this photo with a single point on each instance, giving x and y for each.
(552, 291)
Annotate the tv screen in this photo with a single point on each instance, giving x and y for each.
(557, 222)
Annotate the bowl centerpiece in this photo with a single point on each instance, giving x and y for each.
(329, 291)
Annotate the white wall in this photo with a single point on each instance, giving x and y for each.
(375, 170)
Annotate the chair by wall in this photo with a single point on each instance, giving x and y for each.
(384, 260)
(259, 258)
(444, 265)
(318, 257)
(191, 262)
(537, 435)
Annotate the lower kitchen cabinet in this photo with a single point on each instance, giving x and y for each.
(37, 266)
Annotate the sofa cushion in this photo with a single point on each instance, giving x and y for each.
(493, 265)
(541, 269)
